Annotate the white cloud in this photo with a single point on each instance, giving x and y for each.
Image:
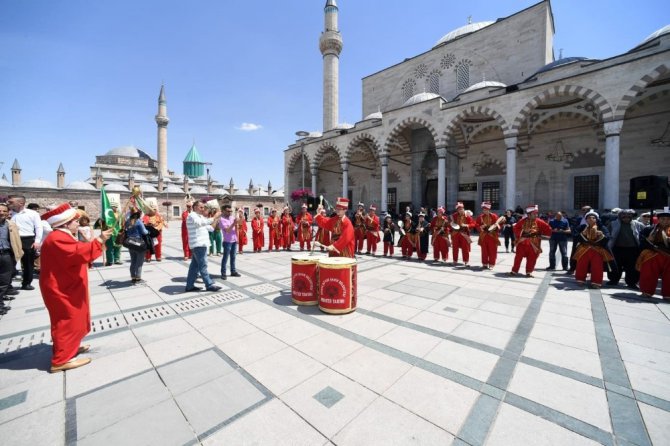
(249, 127)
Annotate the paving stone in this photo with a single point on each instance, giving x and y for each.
(184, 374)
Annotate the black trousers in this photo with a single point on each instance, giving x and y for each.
(625, 262)
(6, 270)
(28, 260)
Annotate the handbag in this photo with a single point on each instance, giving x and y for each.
(120, 238)
(135, 243)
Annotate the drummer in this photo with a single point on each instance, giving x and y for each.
(341, 229)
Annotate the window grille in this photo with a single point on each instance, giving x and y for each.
(587, 191)
(491, 193)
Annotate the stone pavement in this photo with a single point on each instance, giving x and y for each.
(434, 355)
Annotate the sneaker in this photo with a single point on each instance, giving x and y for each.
(71, 364)
(223, 277)
(235, 274)
(193, 288)
(213, 288)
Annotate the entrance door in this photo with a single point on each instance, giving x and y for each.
(430, 194)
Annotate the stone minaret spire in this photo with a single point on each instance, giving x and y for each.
(60, 176)
(330, 44)
(16, 173)
(162, 121)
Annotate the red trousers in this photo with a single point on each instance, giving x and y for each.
(590, 261)
(460, 242)
(388, 248)
(359, 237)
(157, 249)
(275, 239)
(653, 269)
(526, 251)
(489, 245)
(259, 241)
(406, 247)
(440, 248)
(184, 242)
(304, 242)
(372, 241)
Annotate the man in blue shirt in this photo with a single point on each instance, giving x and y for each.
(559, 238)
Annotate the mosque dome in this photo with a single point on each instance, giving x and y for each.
(343, 126)
(38, 183)
(110, 176)
(147, 188)
(174, 189)
(484, 84)
(462, 31)
(375, 115)
(115, 187)
(198, 190)
(139, 177)
(80, 185)
(128, 151)
(421, 97)
(560, 62)
(655, 34)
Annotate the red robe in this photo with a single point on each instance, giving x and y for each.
(274, 235)
(257, 233)
(287, 235)
(64, 287)
(460, 240)
(342, 233)
(440, 228)
(304, 222)
(528, 237)
(184, 235)
(372, 232)
(242, 235)
(488, 240)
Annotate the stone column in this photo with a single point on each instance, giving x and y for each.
(314, 171)
(384, 159)
(510, 180)
(452, 178)
(611, 180)
(441, 175)
(345, 178)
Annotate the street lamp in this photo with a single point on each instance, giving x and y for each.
(302, 134)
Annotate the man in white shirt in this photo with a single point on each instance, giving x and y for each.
(30, 230)
(199, 225)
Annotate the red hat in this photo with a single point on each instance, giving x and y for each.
(257, 210)
(373, 207)
(342, 203)
(304, 206)
(486, 205)
(532, 208)
(60, 215)
(441, 209)
(459, 205)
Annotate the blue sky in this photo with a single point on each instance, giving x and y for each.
(79, 77)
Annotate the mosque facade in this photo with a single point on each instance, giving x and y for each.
(489, 114)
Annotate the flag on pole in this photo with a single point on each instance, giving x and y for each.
(107, 213)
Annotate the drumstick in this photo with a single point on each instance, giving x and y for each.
(320, 200)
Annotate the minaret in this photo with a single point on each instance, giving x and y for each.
(16, 173)
(162, 121)
(330, 44)
(60, 176)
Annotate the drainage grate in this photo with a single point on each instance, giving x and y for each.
(264, 288)
(191, 304)
(108, 323)
(27, 340)
(149, 314)
(226, 296)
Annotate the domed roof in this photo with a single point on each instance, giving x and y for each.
(421, 97)
(174, 189)
(110, 176)
(139, 177)
(40, 182)
(80, 185)
(241, 192)
(197, 190)
(115, 187)
(219, 192)
(462, 31)
(375, 115)
(655, 34)
(5, 183)
(129, 151)
(193, 156)
(560, 62)
(147, 188)
(484, 84)
(343, 126)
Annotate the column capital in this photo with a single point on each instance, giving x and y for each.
(511, 142)
(613, 128)
(384, 159)
(314, 170)
(441, 152)
(344, 164)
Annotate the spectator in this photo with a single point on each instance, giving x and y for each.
(199, 225)
(11, 251)
(228, 224)
(559, 239)
(508, 232)
(30, 230)
(625, 245)
(136, 230)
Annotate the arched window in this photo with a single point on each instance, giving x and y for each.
(434, 82)
(408, 89)
(462, 76)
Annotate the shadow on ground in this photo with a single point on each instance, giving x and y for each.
(37, 357)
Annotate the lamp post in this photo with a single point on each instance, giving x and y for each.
(302, 134)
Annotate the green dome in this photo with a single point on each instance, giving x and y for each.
(193, 163)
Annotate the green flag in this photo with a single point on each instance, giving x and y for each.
(106, 212)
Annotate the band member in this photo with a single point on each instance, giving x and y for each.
(528, 232)
(322, 235)
(287, 228)
(154, 219)
(242, 229)
(422, 234)
(359, 227)
(274, 235)
(487, 225)
(625, 246)
(372, 230)
(257, 230)
(654, 262)
(460, 238)
(440, 229)
(304, 222)
(342, 231)
(389, 228)
(591, 251)
(408, 241)
(184, 230)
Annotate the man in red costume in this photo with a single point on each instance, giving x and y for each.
(528, 232)
(304, 222)
(257, 230)
(286, 225)
(341, 229)
(654, 261)
(242, 229)
(488, 235)
(64, 285)
(359, 227)
(274, 235)
(322, 235)
(184, 230)
(460, 238)
(372, 230)
(439, 226)
(408, 241)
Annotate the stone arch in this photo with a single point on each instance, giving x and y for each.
(295, 157)
(587, 157)
(450, 131)
(601, 104)
(636, 89)
(491, 167)
(363, 137)
(324, 148)
(406, 123)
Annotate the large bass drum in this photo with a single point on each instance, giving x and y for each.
(337, 285)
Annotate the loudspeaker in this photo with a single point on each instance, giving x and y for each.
(649, 192)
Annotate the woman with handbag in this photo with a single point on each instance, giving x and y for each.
(136, 243)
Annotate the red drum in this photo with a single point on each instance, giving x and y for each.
(337, 285)
(303, 279)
